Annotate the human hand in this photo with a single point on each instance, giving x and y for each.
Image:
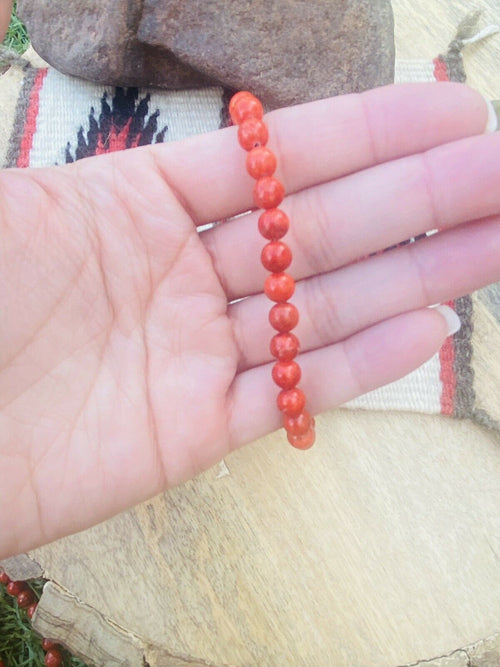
(126, 369)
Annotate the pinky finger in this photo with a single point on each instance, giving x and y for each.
(338, 373)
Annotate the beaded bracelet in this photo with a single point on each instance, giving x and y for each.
(247, 112)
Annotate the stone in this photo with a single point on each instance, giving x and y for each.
(285, 51)
(98, 41)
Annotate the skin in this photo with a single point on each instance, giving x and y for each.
(124, 367)
(5, 14)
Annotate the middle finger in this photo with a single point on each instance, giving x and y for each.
(334, 224)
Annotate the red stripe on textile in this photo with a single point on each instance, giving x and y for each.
(447, 351)
(31, 115)
(440, 70)
(447, 373)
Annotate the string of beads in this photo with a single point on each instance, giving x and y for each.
(247, 113)
(27, 600)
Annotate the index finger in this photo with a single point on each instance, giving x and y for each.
(318, 142)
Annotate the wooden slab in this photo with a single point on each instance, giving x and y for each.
(380, 547)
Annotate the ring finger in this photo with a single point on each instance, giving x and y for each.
(338, 304)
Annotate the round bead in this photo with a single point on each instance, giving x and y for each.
(4, 579)
(276, 256)
(30, 612)
(291, 401)
(284, 346)
(252, 133)
(279, 287)
(286, 374)
(25, 598)
(268, 192)
(283, 317)
(244, 105)
(233, 102)
(261, 162)
(298, 424)
(47, 644)
(305, 441)
(273, 224)
(15, 587)
(53, 658)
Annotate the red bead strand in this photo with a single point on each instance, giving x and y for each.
(246, 111)
(27, 600)
(53, 658)
(15, 587)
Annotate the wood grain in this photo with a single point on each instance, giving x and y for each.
(378, 548)
(62, 617)
(21, 568)
(487, 365)
(93, 638)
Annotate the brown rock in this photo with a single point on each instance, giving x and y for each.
(97, 40)
(286, 51)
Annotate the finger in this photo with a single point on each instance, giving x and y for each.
(333, 225)
(340, 372)
(317, 142)
(334, 306)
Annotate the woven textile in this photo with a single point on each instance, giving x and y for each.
(59, 119)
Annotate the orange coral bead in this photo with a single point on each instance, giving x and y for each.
(261, 162)
(305, 441)
(252, 133)
(233, 102)
(283, 317)
(273, 224)
(276, 256)
(298, 424)
(279, 287)
(268, 192)
(291, 401)
(244, 105)
(284, 346)
(286, 374)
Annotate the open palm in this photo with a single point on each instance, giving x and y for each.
(134, 348)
